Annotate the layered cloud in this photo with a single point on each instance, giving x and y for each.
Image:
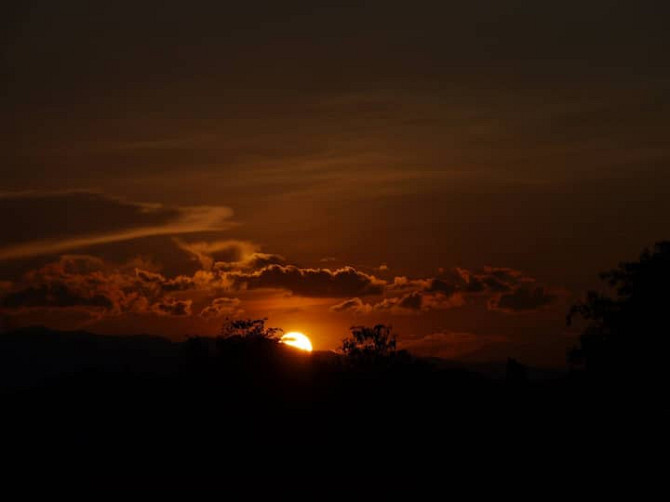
(79, 281)
(173, 307)
(106, 289)
(158, 282)
(75, 281)
(317, 282)
(222, 307)
(507, 290)
(353, 305)
(209, 276)
(522, 299)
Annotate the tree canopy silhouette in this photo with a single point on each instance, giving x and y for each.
(247, 338)
(628, 331)
(249, 328)
(370, 344)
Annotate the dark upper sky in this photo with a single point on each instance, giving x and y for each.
(445, 140)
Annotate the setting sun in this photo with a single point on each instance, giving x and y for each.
(297, 340)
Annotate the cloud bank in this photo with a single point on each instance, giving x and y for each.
(506, 290)
(212, 276)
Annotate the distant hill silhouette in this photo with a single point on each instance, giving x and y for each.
(35, 355)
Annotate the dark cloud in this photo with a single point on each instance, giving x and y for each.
(85, 281)
(488, 280)
(79, 264)
(412, 302)
(501, 279)
(442, 286)
(419, 301)
(70, 282)
(179, 283)
(522, 299)
(321, 282)
(221, 307)
(104, 290)
(173, 307)
(261, 260)
(493, 284)
(254, 261)
(401, 285)
(450, 290)
(354, 305)
(149, 277)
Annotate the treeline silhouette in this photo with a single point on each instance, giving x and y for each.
(126, 410)
(626, 342)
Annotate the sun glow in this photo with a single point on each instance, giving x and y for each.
(297, 340)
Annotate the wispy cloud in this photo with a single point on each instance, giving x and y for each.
(116, 220)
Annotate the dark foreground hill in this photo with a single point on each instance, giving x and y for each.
(140, 410)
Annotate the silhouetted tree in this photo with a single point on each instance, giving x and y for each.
(247, 343)
(628, 332)
(249, 328)
(370, 344)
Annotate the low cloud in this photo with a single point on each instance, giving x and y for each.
(508, 291)
(419, 301)
(173, 307)
(522, 299)
(231, 272)
(252, 262)
(161, 283)
(409, 303)
(354, 305)
(207, 253)
(87, 282)
(222, 307)
(402, 284)
(313, 282)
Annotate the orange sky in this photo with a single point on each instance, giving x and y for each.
(460, 171)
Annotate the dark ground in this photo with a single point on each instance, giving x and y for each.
(101, 412)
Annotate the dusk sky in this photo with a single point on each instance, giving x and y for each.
(461, 171)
